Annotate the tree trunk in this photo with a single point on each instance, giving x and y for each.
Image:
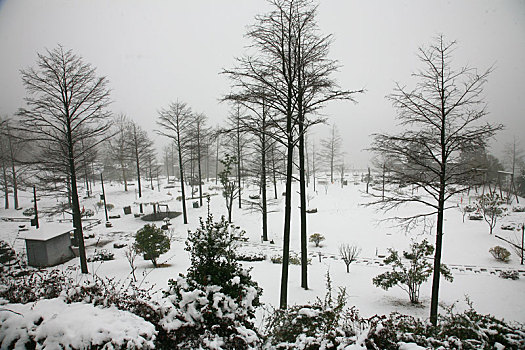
(77, 219)
(239, 157)
(263, 187)
(199, 164)
(4, 176)
(274, 175)
(13, 169)
(181, 172)
(287, 221)
(138, 173)
(217, 163)
(302, 194)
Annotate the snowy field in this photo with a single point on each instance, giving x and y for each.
(341, 218)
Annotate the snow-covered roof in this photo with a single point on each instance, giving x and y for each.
(46, 231)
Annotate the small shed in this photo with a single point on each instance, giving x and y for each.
(49, 245)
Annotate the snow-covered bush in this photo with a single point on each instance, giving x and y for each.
(213, 306)
(293, 259)
(29, 211)
(518, 209)
(53, 324)
(325, 324)
(101, 255)
(7, 254)
(251, 256)
(511, 274)
(411, 272)
(23, 285)
(152, 241)
(465, 330)
(499, 253)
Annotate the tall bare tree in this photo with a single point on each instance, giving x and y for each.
(442, 116)
(331, 150)
(119, 146)
(141, 147)
(175, 123)
(200, 133)
(66, 102)
(290, 63)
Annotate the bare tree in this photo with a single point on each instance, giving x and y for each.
(514, 156)
(259, 124)
(141, 147)
(236, 141)
(175, 123)
(119, 146)
(490, 205)
(66, 103)
(349, 254)
(200, 133)
(331, 151)
(290, 63)
(441, 117)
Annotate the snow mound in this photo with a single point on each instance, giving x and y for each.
(53, 324)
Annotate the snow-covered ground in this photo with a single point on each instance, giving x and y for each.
(341, 218)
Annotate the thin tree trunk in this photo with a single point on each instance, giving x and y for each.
(199, 164)
(4, 175)
(437, 260)
(302, 194)
(239, 156)
(77, 219)
(274, 171)
(137, 160)
(217, 163)
(263, 186)
(181, 172)
(13, 169)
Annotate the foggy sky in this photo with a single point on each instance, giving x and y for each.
(155, 52)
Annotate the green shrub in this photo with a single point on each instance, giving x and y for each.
(410, 276)
(294, 259)
(321, 325)
(215, 302)
(511, 274)
(102, 255)
(317, 238)
(152, 242)
(500, 253)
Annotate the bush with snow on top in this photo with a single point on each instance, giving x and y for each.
(53, 324)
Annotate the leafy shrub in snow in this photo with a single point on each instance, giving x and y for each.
(152, 241)
(321, 325)
(411, 273)
(53, 324)
(316, 238)
(29, 212)
(213, 306)
(500, 253)
(466, 330)
(294, 259)
(251, 256)
(7, 254)
(22, 285)
(102, 255)
(511, 274)
(518, 209)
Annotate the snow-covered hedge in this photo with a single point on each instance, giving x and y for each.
(53, 324)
